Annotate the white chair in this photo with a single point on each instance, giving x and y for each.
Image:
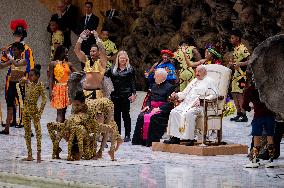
(213, 112)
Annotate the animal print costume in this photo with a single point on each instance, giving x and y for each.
(32, 112)
(56, 132)
(104, 107)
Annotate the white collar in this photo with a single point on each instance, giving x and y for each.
(89, 15)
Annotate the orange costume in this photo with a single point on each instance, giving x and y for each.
(60, 98)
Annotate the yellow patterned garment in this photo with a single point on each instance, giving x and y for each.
(33, 92)
(111, 49)
(56, 38)
(238, 83)
(96, 67)
(186, 73)
(61, 72)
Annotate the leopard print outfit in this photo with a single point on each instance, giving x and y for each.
(76, 124)
(56, 132)
(32, 113)
(104, 107)
(86, 127)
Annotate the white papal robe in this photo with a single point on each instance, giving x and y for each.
(182, 120)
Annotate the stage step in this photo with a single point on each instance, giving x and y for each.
(229, 149)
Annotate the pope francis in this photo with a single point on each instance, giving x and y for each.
(182, 118)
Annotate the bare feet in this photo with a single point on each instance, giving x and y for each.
(111, 154)
(69, 158)
(98, 155)
(38, 159)
(29, 158)
(78, 156)
(119, 141)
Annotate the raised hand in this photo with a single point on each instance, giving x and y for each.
(183, 49)
(84, 35)
(94, 32)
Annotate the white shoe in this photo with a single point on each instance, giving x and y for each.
(252, 165)
(270, 164)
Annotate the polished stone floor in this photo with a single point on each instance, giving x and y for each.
(144, 168)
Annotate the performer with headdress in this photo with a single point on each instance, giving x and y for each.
(165, 63)
(19, 28)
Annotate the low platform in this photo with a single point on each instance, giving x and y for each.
(229, 149)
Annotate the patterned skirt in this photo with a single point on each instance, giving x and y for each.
(60, 98)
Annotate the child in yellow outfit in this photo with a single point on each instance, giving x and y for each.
(34, 90)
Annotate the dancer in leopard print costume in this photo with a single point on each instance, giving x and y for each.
(102, 110)
(89, 119)
(34, 90)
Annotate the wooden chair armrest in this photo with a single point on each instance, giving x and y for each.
(211, 100)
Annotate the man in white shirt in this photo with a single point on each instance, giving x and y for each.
(182, 120)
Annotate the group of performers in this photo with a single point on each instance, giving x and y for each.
(99, 96)
(92, 112)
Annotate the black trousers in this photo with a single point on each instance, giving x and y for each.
(157, 127)
(122, 106)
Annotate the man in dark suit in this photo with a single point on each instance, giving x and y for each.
(72, 12)
(65, 22)
(90, 22)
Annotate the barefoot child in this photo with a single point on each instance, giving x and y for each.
(34, 90)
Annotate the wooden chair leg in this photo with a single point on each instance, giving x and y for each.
(219, 132)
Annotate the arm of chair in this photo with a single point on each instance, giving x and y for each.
(210, 101)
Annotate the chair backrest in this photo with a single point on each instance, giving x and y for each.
(222, 77)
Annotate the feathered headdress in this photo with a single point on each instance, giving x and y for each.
(19, 27)
(213, 50)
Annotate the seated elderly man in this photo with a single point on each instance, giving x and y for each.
(153, 120)
(182, 120)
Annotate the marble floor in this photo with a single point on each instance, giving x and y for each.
(145, 169)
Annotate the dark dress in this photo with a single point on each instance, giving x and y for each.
(158, 122)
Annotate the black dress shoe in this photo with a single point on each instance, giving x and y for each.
(190, 143)
(239, 114)
(19, 126)
(172, 140)
(4, 132)
(243, 118)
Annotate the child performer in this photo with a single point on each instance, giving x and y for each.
(34, 90)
